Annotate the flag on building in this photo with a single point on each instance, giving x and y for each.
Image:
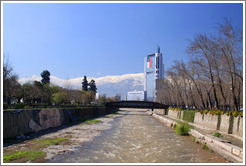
(149, 62)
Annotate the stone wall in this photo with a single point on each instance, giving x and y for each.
(25, 121)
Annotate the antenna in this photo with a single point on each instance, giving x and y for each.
(158, 48)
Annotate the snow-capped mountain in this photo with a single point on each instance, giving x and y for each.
(109, 85)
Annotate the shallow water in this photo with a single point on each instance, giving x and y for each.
(136, 137)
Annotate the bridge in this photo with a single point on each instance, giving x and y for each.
(136, 104)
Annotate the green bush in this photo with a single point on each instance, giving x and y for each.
(182, 128)
(205, 146)
(217, 135)
(229, 113)
(19, 105)
(235, 113)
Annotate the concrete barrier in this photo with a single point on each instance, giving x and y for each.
(21, 122)
(238, 126)
(224, 123)
(159, 111)
(173, 114)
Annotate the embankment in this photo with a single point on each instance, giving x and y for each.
(227, 124)
(214, 122)
(21, 122)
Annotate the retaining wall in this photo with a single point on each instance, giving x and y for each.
(225, 123)
(208, 120)
(228, 124)
(159, 111)
(25, 121)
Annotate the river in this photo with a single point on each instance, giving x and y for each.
(136, 137)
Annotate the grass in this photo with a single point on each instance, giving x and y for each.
(108, 116)
(33, 150)
(205, 146)
(182, 128)
(51, 141)
(217, 135)
(115, 113)
(30, 155)
(93, 121)
(89, 122)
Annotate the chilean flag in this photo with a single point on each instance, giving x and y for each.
(149, 63)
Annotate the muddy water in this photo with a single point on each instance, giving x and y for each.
(136, 137)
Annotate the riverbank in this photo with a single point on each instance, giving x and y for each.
(46, 146)
(223, 147)
(128, 136)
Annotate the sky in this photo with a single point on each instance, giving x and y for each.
(76, 39)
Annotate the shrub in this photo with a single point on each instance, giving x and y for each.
(228, 113)
(19, 105)
(215, 112)
(217, 135)
(177, 109)
(235, 113)
(205, 111)
(205, 146)
(182, 128)
(241, 114)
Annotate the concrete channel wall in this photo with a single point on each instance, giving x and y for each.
(208, 120)
(227, 124)
(21, 122)
(228, 151)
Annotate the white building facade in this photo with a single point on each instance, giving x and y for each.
(135, 95)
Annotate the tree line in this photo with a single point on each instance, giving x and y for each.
(43, 93)
(213, 76)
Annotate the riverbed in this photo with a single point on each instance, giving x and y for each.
(136, 137)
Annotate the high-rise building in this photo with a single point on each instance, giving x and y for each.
(153, 72)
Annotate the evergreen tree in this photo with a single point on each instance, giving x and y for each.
(93, 87)
(85, 84)
(45, 77)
